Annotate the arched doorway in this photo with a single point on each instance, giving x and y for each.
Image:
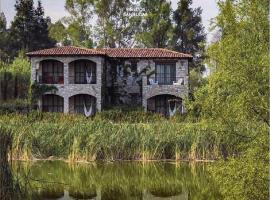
(52, 72)
(52, 103)
(82, 72)
(82, 104)
(167, 105)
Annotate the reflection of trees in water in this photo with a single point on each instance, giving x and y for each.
(85, 194)
(125, 180)
(7, 190)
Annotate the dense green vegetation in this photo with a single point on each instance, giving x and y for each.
(237, 97)
(110, 135)
(15, 79)
(228, 116)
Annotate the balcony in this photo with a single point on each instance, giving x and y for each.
(82, 79)
(177, 81)
(54, 79)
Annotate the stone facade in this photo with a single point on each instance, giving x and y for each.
(68, 90)
(181, 91)
(116, 78)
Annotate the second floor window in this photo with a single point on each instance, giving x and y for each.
(85, 72)
(52, 72)
(165, 73)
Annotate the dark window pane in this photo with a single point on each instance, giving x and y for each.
(165, 73)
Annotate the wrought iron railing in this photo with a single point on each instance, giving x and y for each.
(166, 81)
(51, 79)
(82, 80)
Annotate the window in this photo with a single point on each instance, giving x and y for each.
(84, 68)
(165, 74)
(166, 104)
(52, 72)
(161, 105)
(52, 103)
(81, 100)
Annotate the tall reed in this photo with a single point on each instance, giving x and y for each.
(40, 135)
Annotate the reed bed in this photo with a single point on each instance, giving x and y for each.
(110, 136)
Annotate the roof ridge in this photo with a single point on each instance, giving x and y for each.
(111, 52)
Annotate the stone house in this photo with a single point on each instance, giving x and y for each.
(89, 80)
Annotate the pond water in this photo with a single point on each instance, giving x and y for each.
(115, 181)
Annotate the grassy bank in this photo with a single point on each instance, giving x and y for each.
(111, 135)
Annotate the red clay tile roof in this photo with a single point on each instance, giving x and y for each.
(111, 52)
(143, 53)
(66, 51)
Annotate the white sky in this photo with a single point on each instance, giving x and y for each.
(56, 10)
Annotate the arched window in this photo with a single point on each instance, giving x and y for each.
(83, 72)
(80, 102)
(52, 72)
(52, 103)
(165, 104)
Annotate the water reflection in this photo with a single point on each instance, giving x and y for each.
(115, 181)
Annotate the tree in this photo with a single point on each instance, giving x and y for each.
(237, 98)
(29, 30)
(156, 24)
(3, 37)
(78, 24)
(188, 33)
(116, 27)
(41, 27)
(59, 32)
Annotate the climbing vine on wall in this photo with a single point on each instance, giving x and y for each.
(37, 90)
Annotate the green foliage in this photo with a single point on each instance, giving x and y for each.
(111, 136)
(237, 97)
(15, 78)
(3, 37)
(78, 24)
(14, 106)
(115, 27)
(118, 180)
(29, 29)
(58, 32)
(188, 33)
(37, 90)
(156, 24)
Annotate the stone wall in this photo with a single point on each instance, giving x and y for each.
(131, 88)
(176, 90)
(67, 90)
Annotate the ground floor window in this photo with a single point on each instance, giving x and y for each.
(85, 72)
(52, 103)
(84, 102)
(167, 105)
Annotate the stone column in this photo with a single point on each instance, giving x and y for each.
(66, 74)
(66, 105)
(99, 70)
(144, 87)
(34, 66)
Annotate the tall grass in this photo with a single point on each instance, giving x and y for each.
(110, 136)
